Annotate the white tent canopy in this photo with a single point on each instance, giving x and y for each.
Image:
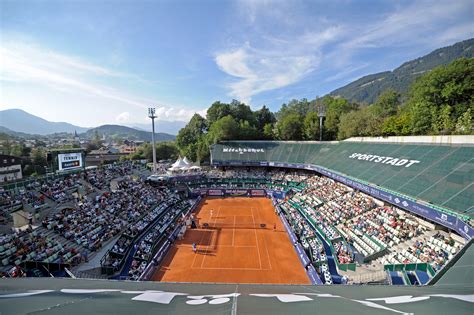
(181, 165)
(188, 162)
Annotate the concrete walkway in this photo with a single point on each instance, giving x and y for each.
(94, 260)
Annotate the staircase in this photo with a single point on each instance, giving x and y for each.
(63, 241)
(94, 273)
(378, 276)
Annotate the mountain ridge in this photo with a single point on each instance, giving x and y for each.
(119, 131)
(367, 88)
(17, 122)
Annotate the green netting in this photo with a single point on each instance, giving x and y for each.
(443, 177)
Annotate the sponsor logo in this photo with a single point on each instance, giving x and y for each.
(383, 159)
(243, 150)
(444, 217)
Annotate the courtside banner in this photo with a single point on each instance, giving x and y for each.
(236, 192)
(215, 192)
(279, 194)
(258, 192)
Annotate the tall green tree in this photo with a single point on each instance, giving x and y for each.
(217, 111)
(335, 108)
(290, 127)
(263, 117)
(451, 85)
(226, 128)
(311, 126)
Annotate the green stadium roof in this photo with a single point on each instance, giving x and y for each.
(442, 175)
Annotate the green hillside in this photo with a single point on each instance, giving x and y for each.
(368, 88)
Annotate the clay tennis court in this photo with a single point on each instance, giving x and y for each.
(234, 248)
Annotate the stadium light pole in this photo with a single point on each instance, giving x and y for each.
(151, 114)
(321, 115)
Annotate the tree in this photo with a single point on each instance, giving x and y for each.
(311, 126)
(420, 116)
(300, 107)
(398, 125)
(165, 151)
(242, 112)
(247, 131)
(387, 103)
(442, 123)
(335, 108)
(217, 111)
(451, 85)
(268, 132)
(353, 124)
(38, 160)
(290, 127)
(464, 123)
(263, 117)
(188, 137)
(225, 128)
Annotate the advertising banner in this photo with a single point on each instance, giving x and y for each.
(258, 192)
(69, 161)
(236, 192)
(279, 194)
(215, 192)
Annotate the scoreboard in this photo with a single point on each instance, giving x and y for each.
(69, 161)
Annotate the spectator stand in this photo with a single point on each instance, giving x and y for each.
(308, 224)
(161, 216)
(162, 248)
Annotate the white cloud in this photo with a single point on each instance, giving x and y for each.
(269, 58)
(176, 114)
(410, 24)
(123, 117)
(276, 63)
(24, 64)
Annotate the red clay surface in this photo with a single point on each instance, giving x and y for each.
(234, 248)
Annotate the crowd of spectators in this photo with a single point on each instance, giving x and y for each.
(31, 245)
(95, 220)
(61, 189)
(101, 177)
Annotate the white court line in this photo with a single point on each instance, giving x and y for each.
(212, 235)
(200, 241)
(230, 268)
(236, 246)
(256, 239)
(265, 242)
(233, 232)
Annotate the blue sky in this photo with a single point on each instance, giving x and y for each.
(97, 62)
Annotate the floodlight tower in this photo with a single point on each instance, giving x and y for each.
(321, 114)
(151, 114)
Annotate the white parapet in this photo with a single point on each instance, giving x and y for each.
(454, 139)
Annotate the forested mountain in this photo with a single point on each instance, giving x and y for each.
(122, 132)
(368, 88)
